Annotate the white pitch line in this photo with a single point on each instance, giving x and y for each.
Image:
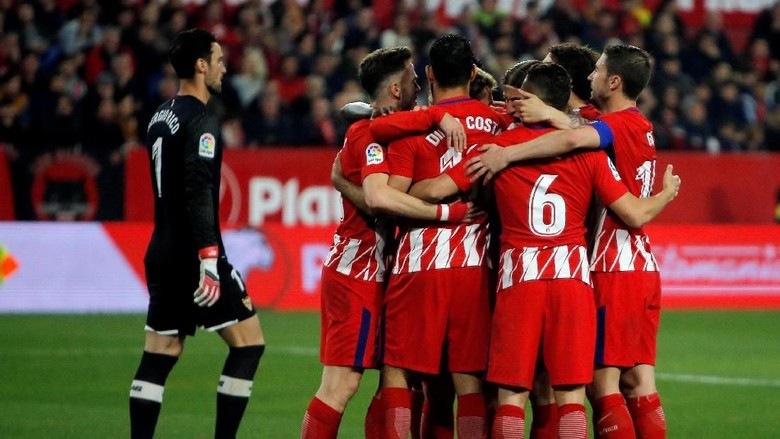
(724, 381)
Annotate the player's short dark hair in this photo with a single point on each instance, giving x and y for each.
(189, 46)
(515, 75)
(551, 83)
(632, 64)
(579, 61)
(482, 81)
(451, 59)
(381, 64)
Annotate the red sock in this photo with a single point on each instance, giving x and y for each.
(648, 416)
(418, 410)
(545, 422)
(572, 422)
(396, 403)
(320, 421)
(471, 416)
(509, 423)
(612, 420)
(374, 418)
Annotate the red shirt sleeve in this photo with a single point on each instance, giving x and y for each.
(373, 161)
(400, 156)
(394, 126)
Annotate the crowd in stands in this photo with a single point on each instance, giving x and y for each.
(84, 77)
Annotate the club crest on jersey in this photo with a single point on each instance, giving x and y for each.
(207, 145)
(374, 154)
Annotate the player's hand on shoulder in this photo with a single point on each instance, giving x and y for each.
(487, 164)
(208, 291)
(453, 129)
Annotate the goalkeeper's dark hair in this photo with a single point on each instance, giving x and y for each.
(579, 62)
(188, 47)
(551, 83)
(451, 59)
(515, 75)
(632, 64)
(380, 65)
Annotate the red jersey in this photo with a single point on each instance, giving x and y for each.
(358, 247)
(589, 112)
(542, 205)
(429, 246)
(628, 136)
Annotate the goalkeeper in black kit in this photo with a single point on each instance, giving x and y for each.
(191, 283)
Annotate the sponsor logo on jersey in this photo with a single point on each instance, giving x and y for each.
(207, 145)
(374, 154)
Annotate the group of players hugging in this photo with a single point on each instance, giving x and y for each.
(493, 252)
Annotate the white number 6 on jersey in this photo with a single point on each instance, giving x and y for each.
(541, 200)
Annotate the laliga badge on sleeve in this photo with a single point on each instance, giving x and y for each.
(207, 145)
(374, 154)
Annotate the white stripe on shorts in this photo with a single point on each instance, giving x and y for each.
(148, 328)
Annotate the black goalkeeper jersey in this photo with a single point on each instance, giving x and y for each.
(185, 164)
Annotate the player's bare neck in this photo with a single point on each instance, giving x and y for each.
(195, 89)
(575, 102)
(385, 102)
(616, 102)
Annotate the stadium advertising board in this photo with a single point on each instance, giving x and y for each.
(93, 267)
(291, 186)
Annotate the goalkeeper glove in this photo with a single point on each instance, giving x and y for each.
(207, 293)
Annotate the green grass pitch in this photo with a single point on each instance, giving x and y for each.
(69, 377)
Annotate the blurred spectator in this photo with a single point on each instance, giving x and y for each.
(265, 122)
(105, 144)
(80, 33)
(398, 35)
(487, 17)
(32, 36)
(361, 30)
(713, 25)
(699, 134)
(249, 81)
(772, 134)
(324, 132)
(767, 27)
(99, 57)
(702, 57)
(727, 107)
(74, 86)
(668, 128)
(566, 19)
(289, 82)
